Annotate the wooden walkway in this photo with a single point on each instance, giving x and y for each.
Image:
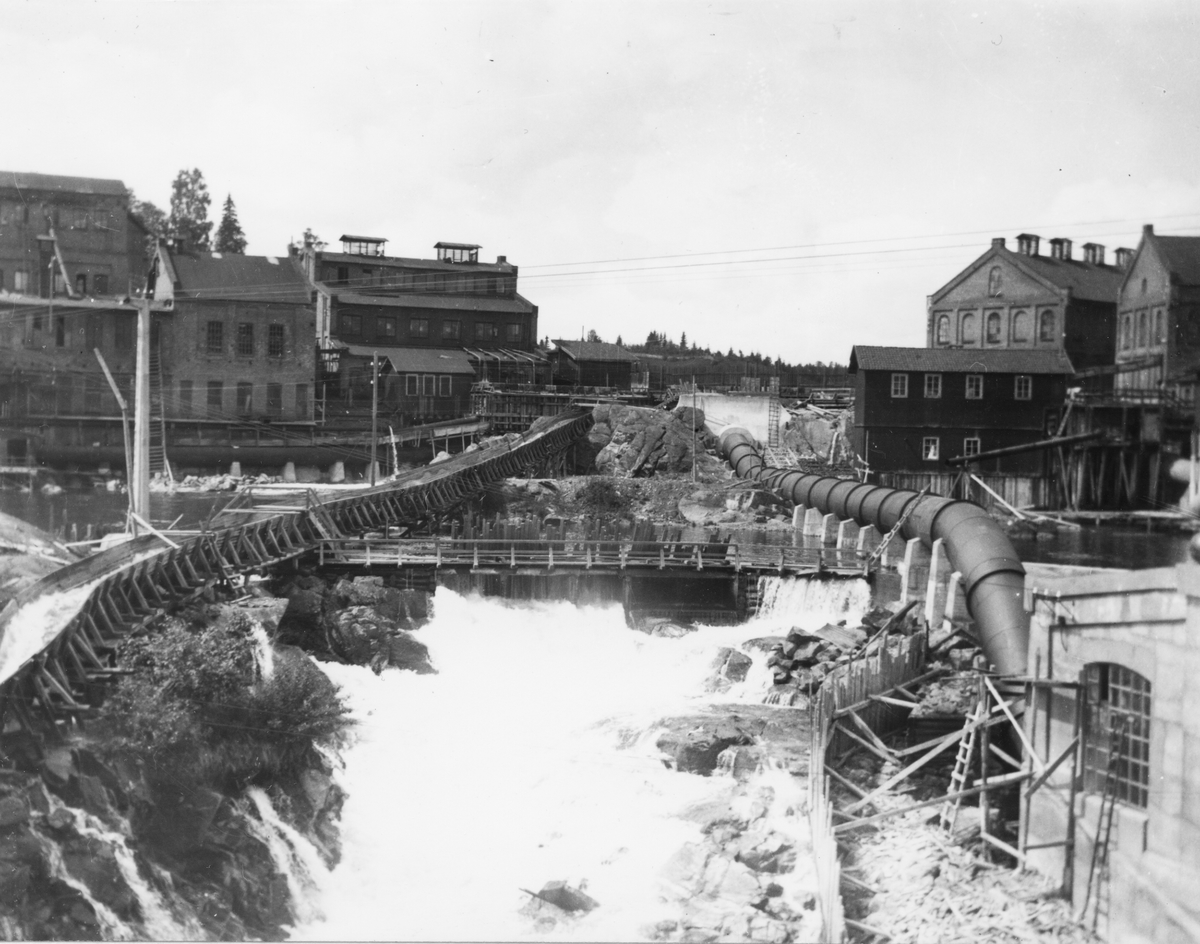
(542, 556)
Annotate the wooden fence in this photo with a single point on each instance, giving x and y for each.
(1020, 491)
(850, 691)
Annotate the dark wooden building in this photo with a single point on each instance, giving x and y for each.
(70, 236)
(592, 364)
(369, 300)
(915, 408)
(1028, 301)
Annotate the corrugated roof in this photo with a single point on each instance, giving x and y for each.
(228, 275)
(493, 303)
(1181, 255)
(949, 360)
(1096, 283)
(418, 360)
(595, 351)
(62, 184)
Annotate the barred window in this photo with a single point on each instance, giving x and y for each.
(245, 339)
(215, 336)
(275, 340)
(1117, 724)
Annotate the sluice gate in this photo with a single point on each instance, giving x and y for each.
(58, 637)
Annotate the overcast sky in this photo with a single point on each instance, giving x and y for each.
(793, 178)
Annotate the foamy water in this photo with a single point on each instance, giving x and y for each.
(529, 758)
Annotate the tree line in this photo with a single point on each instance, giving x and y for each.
(658, 344)
(188, 216)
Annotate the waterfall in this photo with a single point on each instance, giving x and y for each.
(531, 757)
(811, 602)
(264, 652)
(158, 921)
(113, 927)
(295, 857)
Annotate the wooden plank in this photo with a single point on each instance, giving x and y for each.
(1045, 774)
(1037, 761)
(957, 795)
(1002, 846)
(870, 734)
(869, 746)
(904, 774)
(845, 782)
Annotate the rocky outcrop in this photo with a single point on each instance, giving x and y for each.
(361, 621)
(633, 441)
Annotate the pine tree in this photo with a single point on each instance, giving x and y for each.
(593, 337)
(620, 343)
(189, 209)
(230, 237)
(683, 340)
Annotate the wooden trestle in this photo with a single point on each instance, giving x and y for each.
(127, 587)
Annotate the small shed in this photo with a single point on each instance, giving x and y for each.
(592, 364)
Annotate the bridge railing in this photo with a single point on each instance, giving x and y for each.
(586, 552)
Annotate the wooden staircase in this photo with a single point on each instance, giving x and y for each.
(159, 464)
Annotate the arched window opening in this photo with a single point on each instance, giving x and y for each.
(943, 329)
(993, 328)
(1126, 329)
(1021, 327)
(970, 334)
(1046, 333)
(1141, 329)
(1117, 732)
(994, 282)
(1160, 331)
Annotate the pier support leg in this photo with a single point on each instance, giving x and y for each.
(829, 530)
(235, 470)
(337, 472)
(956, 601)
(937, 585)
(798, 517)
(812, 521)
(289, 472)
(868, 540)
(847, 535)
(914, 571)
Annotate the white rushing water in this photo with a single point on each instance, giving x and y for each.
(529, 758)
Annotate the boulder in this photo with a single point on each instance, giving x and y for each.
(13, 811)
(729, 666)
(639, 441)
(695, 743)
(563, 896)
(404, 651)
(764, 643)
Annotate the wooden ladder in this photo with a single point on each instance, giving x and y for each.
(158, 420)
(962, 766)
(773, 421)
(1098, 874)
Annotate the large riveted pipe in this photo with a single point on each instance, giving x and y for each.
(975, 544)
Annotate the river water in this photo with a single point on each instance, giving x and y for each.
(529, 758)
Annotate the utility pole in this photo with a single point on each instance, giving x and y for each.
(693, 428)
(139, 483)
(374, 410)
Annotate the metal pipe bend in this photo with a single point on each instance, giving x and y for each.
(975, 544)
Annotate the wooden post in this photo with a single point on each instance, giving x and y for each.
(984, 750)
(374, 411)
(139, 484)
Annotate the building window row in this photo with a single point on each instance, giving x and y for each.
(451, 329)
(420, 282)
(931, 447)
(249, 397)
(1142, 329)
(1022, 386)
(1021, 328)
(214, 339)
(427, 385)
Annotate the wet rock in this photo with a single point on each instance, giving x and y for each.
(695, 745)
(731, 881)
(406, 652)
(633, 441)
(569, 899)
(94, 864)
(730, 666)
(764, 643)
(180, 817)
(13, 811)
(877, 616)
(58, 766)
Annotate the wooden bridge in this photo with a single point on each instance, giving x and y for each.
(58, 638)
(541, 556)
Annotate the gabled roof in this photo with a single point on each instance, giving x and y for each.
(229, 275)
(1087, 281)
(417, 360)
(962, 360)
(594, 351)
(62, 184)
(485, 303)
(1181, 256)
